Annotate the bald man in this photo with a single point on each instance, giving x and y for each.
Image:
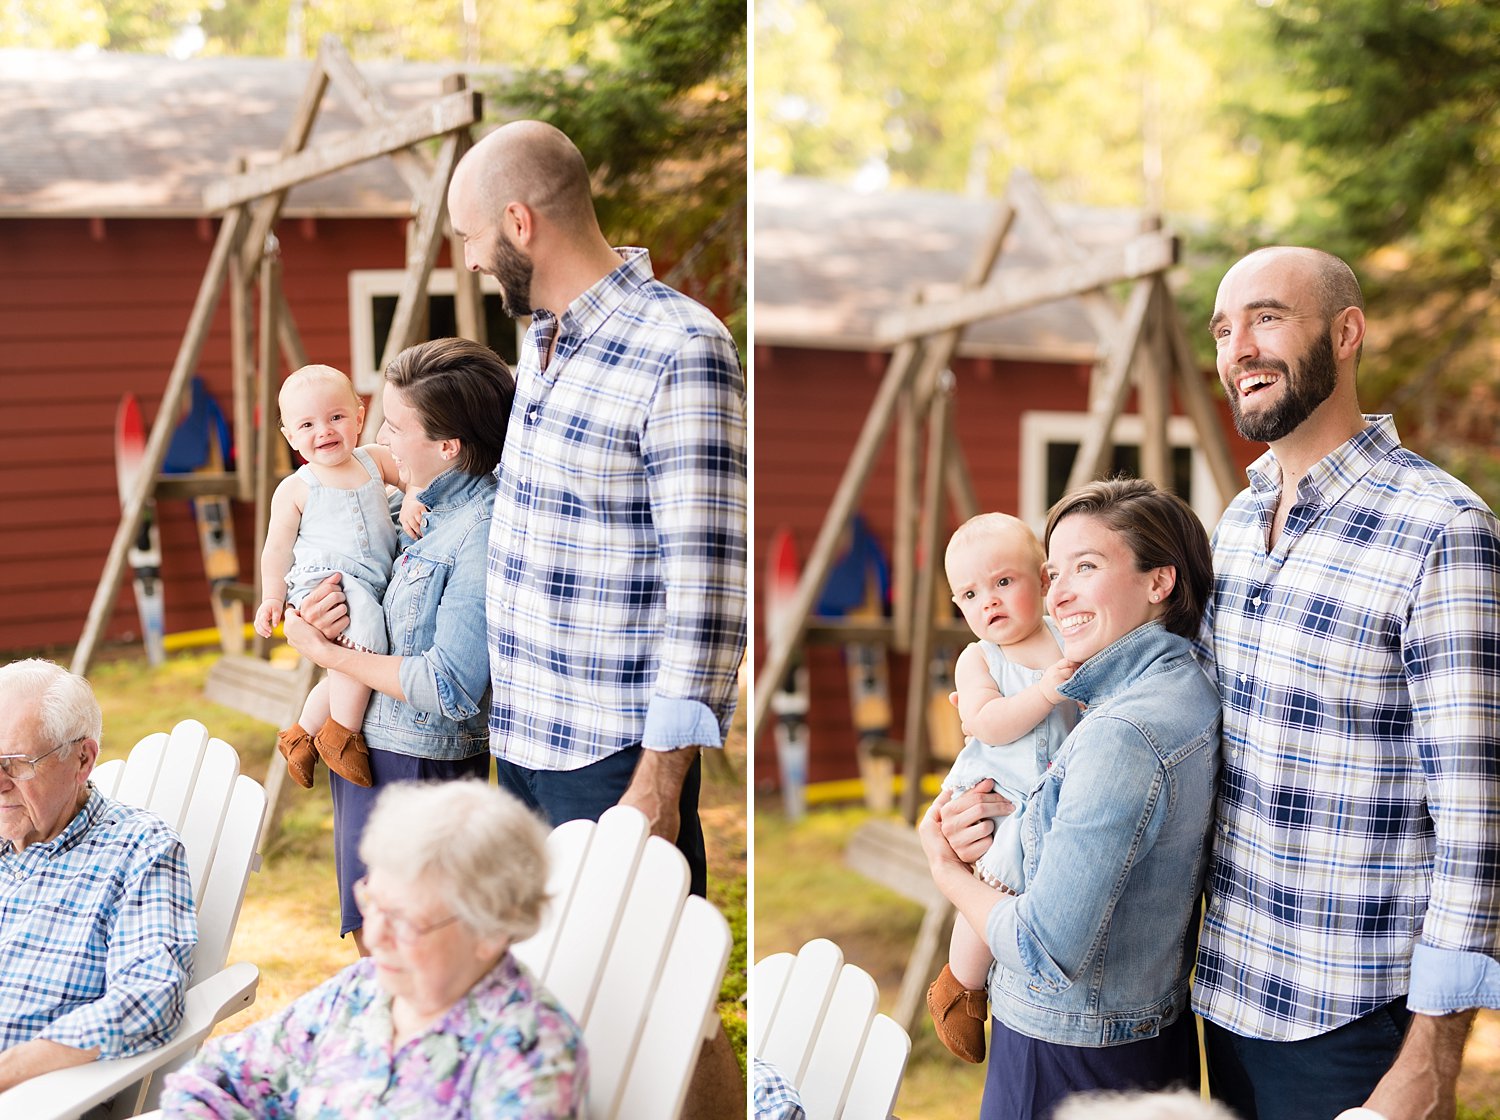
(1353, 919)
(616, 588)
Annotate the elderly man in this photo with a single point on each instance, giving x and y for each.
(97, 926)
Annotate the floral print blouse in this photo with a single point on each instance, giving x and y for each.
(506, 1050)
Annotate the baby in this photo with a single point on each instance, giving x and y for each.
(1014, 720)
(331, 515)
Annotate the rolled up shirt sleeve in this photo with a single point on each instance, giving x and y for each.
(693, 447)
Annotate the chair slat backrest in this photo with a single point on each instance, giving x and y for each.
(817, 1020)
(877, 1078)
(193, 782)
(804, 1002)
(836, 1050)
(635, 960)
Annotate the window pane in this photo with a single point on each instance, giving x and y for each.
(1126, 461)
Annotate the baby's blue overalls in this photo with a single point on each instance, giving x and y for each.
(347, 531)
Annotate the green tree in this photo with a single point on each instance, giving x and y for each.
(1398, 133)
(656, 102)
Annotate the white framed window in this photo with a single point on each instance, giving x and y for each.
(1049, 443)
(372, 306)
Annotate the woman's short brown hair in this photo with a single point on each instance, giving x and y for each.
(1162, 531)
(462, 391)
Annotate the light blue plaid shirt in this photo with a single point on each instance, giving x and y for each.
(776, 1098)
(1357, 847)
(617, 554)
(97, 929)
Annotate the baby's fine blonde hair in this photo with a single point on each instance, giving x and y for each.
(997, 526)
(308, 376)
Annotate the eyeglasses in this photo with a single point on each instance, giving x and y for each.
(401, 928)
(22, 767)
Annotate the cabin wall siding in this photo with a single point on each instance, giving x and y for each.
(84, 319)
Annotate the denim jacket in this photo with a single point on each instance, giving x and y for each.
(434, 612)
(1097, 950)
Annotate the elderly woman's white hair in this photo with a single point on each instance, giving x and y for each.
(65, 706)
(1176, 1104)
(485, 848)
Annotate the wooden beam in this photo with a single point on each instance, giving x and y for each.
(1093, 450)
(271, 299)
(783, 644)
(408, 320)
(1198, 403)
(1016, 289)
(961, 484)
(188, 352)
(1024, 194)
(445, 115)
(919, 677)
(268, 209)
(242, 369)
(907, 517)
(370, 106)
(1153, 389)
(293, 352)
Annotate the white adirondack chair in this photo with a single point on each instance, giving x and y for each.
(817, 1020)
(634, 958)
(194, 784)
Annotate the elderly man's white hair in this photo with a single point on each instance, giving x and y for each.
(486, 850)
(1177, 1104)
(64, 703)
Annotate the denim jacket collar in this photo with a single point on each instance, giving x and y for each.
(1119, 665)
(453, 488)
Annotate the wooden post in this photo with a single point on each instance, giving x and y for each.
(161, 433)
(1098, 441)
(1197, 402)
(781, 646)
(918, 680)
(1154, 400)
(270, 301)
(907, 517)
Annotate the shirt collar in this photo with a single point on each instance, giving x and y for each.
(592, 309)
(1331, 476)
(454, 488)
(75, 830)
(1118, 665)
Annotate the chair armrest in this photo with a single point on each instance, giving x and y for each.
(66, 1094)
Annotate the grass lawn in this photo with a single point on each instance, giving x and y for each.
(289, 924)
(803, 890)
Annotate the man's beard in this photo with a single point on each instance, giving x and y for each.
(1303, 391)
(511, 268)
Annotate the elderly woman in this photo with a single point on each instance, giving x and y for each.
(440, 1021)
(1090, 983)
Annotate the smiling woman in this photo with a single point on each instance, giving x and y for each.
(1090, 984)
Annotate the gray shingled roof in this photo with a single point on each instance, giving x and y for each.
(830, 261)
(121, 135)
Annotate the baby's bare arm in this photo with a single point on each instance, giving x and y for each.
(276, 555)
(998, 719)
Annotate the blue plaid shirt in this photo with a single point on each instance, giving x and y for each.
(97, 929)
(617, 557)
(1357, 851)
(776, 1098)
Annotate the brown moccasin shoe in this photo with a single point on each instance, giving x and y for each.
(345, 753)
(296, 746)
(959, 1015)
